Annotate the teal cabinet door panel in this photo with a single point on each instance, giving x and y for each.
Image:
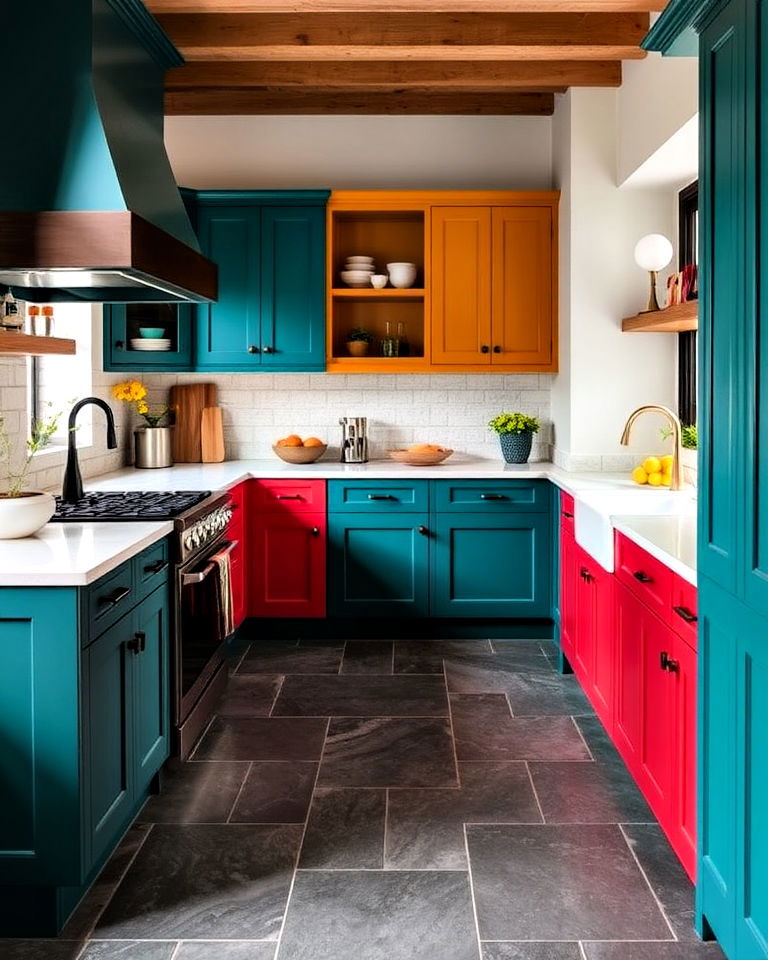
(107, 735)
(492, 566)
(293, 287)
(151, 709)
(39, 744)
(378, 565)
(228, 331)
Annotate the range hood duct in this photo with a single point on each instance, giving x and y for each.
(89, 209)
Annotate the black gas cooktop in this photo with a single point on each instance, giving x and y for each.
(132, 505)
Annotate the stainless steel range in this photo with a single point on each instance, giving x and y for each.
(198, 643)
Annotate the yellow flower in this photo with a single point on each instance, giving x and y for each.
(142, 406)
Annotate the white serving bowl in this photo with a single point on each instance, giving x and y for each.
(401, 274)
(363, 261)
(22, 516)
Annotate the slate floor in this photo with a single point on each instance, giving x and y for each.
(369, 800)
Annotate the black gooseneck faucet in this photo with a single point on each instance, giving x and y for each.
(72, 489)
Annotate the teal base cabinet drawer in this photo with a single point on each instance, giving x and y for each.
(378, 496)
(378, 566)
(491, 566)
(492, 496)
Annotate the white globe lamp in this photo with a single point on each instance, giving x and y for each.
(653, 253)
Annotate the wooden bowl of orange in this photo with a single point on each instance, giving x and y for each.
(421, 454)
(292, 449)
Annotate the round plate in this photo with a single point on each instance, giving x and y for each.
(416, 459)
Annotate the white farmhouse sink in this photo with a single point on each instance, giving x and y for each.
(594, 513)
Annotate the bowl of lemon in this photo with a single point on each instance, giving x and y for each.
(654, 471)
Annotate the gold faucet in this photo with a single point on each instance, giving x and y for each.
(677, 431)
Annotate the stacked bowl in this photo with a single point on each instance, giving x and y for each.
(358, 271)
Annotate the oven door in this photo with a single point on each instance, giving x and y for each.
(200, 636)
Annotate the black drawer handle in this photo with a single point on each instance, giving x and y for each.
(112, 599)
(253, 348)
(424, 531)
(289, 496)
(586, 576)
(667, 663)
(381, 496)
(137, 643)
(566, 514)
(157, 567)
(685, 614)
(642, 577)
(493, 496)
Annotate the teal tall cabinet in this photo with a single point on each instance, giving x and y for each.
(733, 501)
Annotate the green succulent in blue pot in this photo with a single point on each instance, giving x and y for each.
(515, 432)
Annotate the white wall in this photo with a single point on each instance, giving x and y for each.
(353, 153)
(605, 373)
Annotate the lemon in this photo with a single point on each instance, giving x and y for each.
(639, 475)
(666, 463)
(666, 479)
(652, 465)
(655, 479)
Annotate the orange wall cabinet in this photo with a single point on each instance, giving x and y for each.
(485, 296)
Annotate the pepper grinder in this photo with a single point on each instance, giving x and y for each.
(354, 439)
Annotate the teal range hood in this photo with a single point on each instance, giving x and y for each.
(89, 209)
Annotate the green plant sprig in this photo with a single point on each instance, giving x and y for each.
(360, 335)
(514, 423)
(689, 436)
(42, 432)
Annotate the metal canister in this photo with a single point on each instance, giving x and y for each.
(152, 447)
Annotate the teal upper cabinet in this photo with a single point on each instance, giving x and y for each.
(124, 345)
(270, 249)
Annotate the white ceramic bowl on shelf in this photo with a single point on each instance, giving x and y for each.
(402, 275)
(379, 280)
(362, 261)
(356, 278)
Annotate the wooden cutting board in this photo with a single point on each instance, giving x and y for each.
(188, 401)
(212, 435)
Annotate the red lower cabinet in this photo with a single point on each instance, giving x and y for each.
(568, 582)
(288, 565)
(236, 531)
(594, 656)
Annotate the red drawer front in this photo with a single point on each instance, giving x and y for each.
(567, 512)
(645, 576)
(685, 610)
(286, 496)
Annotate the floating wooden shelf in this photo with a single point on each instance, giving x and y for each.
(26, 345)
(370, 293)
(677, 319)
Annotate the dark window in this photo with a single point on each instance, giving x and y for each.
(688, 253)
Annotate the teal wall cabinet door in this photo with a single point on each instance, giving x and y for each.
(292, 288)
(492, 566)
(378, 565)
(228, 332)
(122, 325)
(151, 688)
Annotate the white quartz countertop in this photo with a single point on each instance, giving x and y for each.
(77, 554)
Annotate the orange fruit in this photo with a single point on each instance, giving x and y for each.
(313, 442)
(294, 440)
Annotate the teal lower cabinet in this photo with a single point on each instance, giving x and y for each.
(492, 566)
(84, 728)
(378, 565)
(403, 549)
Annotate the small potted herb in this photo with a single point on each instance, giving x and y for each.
(515, 432)
(358, 341)
(24, 512)
(689, 438)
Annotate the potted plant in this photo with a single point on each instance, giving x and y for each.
(152, 440)
(689, 461)
(515, 432)
(358, 341)
(24, 512)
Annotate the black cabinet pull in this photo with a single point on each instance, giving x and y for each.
(381, 496)
(157, 567)
(138, 642)
(315, 531)
(642, 577)
(424, 531)
(685, 614)
(485, 348)
(493, 496)
(586, 576)
(253, 348)
(566, 514)
(266, 349)
(497, 349)
(119, 344)
(667, 663)
(289, 496)
(112, 599)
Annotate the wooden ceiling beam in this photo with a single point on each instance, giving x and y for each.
(505, 76)
(461, 36)
(249, 102)
(404, 6)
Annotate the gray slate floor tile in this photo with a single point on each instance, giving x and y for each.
(345, 830)
(496, 674)
(262, 738)
(196, 793)
(560, 883)
(362, 696)
(11, 949)
(368, 656)
(484, 730)
(353, 915)
(587, 793)
(531, 951)
(426, 656)
(386, 752)
(425, 828)
(129, 950)
(205, 881)
(223, 950)
(249, 695)
(653, 951)
(308, 657)
(276, 792)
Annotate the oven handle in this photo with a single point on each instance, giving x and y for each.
(188, 579)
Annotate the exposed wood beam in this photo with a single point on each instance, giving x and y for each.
(462, 36)
(400, 75)
(404, 6)
(248, 102)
